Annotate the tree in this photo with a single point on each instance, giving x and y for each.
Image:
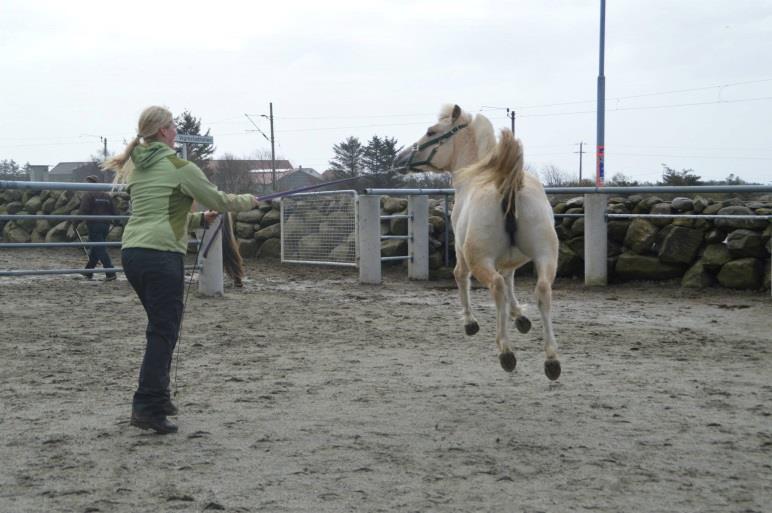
(10, 170)
(378, 158)
(188, 124)
(684, 177)
(553, 176)
(232, 175)
(348, 159)
(622, 180)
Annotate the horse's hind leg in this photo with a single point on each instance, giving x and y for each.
(487, 275)
(461, 273)
(522, 323)
(546, 272)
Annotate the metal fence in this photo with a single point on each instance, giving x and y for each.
(10, 185)
(320, 228)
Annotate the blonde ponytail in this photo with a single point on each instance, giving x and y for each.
(151, 121)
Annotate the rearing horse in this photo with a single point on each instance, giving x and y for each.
(501, 221)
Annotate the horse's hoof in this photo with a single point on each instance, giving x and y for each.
(508, 361)
(522, 324)
(552, 369)
(472, 328)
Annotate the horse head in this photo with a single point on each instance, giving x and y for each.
(436, 150)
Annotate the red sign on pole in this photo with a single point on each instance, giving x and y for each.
(599, 168)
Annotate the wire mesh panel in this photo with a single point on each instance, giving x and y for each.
(319, 228)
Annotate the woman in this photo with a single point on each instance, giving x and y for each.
(162, 188)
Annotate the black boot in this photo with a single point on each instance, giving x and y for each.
(158, 423)
(169, 408)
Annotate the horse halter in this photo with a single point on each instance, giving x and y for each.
(436, 142)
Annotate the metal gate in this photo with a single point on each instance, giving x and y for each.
(320, 228)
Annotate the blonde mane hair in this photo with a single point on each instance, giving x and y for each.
(502, 167)
(151, 120)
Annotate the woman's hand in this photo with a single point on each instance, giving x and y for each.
(210, 216)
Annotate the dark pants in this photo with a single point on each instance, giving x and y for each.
(158, 278)
(97, 232)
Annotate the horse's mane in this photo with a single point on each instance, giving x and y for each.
(502, 167)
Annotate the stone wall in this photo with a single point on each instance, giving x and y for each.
(732, 253)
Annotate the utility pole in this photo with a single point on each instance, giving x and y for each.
(273, 153)
(601, 150)
(271, 140)
(104, 140)
(580, 152)
(511, 116)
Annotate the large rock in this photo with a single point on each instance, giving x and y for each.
(312, 246)
(252, 216)
(33, 204)
(617, 229)
(244, 230)
(58, 233)
(700, 204)
(569, 263)
(645, 204)
(12, 232)
(745, 243)
(14, 207)
(393, 247)
(577, 229)
(247, 247)
(682, 204)
(715, 256)
(437, 225)
(744, 273)
(680, 245)
(271, 248)
(393, 205)
(631, 266)
(640, 235)
(48, 205)
(344, 252)
(661, 209)
(398, 226)
(757, 224)
(715, 235)
(271, 232)
(697, 277)
(271, 217)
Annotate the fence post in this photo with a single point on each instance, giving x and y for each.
(595, 240)
(369, 233)
(418, 243)
(210, 278)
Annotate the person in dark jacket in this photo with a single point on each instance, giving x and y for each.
(97, 203)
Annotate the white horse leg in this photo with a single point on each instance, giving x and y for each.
(546, 272)
(522, 323)
(488, 275)
(461, 273)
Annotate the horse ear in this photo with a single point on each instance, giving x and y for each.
(456, 113)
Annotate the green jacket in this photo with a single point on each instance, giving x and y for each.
(162, 189)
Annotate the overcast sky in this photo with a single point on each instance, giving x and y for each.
(688, 82)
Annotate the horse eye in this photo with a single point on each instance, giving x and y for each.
(430, 133)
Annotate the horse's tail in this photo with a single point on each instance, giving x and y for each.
(505, 168)
(231, 258)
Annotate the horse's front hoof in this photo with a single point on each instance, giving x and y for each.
(508, 361)
(523, 324)
(552, 369)
(472, 328)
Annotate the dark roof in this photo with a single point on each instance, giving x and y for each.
(68, 168)
(253, 164)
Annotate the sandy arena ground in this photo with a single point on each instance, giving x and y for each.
(307, 392)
